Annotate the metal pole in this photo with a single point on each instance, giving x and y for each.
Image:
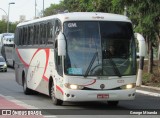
(125, 10)
(43, 8)
(35, 8)
(8, 19)
(8, 15)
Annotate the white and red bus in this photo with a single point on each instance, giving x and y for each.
(77, 57)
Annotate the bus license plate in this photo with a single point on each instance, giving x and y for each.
(102, 96)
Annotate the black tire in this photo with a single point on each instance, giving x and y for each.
(26, 90)
(54, 99)
(6, 70)
(112, 103)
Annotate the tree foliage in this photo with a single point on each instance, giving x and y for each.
(54, 9)
(3, 27)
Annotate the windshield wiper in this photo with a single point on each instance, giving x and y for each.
(112, 62)
(91, 63)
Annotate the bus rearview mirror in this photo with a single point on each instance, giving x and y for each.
(141, 43)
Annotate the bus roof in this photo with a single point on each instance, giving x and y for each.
(81, 16)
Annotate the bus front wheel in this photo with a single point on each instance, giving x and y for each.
(53, 96)
(26, 90)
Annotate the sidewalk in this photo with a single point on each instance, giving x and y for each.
(8, 107)
(6, 104)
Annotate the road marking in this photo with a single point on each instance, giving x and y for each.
(148, 93)
(50, 116)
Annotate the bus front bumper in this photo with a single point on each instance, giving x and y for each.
(88, 95)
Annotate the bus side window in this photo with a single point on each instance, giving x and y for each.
(53, 33)
(20, 36)
(32, 36)
(37, 33)
(26, 41)
(44, 34)
(49, 33)
(23, 32)
(41, 34)
(29, 35)
(57, 27)
(24, 35)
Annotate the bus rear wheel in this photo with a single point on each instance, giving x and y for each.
(112, 103)
(53, 96)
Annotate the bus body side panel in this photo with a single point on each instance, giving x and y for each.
(39, 67)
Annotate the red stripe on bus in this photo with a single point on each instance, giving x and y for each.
(45, 78)
(91, 83)
(27, 65)
(47, 59)
(58, 88)
(34, 55)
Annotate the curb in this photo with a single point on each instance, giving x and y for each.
(149, 88)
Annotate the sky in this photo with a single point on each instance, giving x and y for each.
(24, 7)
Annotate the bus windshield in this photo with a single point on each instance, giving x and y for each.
(99, 48)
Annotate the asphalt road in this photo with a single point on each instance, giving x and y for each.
(143, 102)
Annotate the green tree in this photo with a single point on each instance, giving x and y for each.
(54, 9)
(72, 5)
(148, 13)
(3, 27)
(88, 5)
(145, 15)
(12, 27)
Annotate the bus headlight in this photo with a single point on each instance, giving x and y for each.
(74, 86)
(128, 86)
